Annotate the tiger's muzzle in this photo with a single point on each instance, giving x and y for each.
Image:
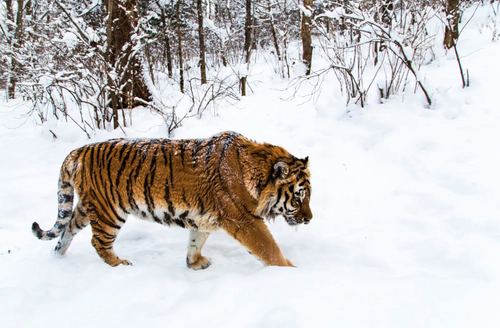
(304, 215)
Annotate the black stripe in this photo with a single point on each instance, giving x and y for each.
(62, 214)
(102, 232)
(81, 160)
(104, 216)
(153, 167)
(183, 148)
(94, 173)
(184, 215)
(169, 184)
(171, 167)
(164, 151)
(280, 191)
(79, 226)
(287, 197)
(91, 166)
(130, 196)
(125, 146)
(108, 223)
(64, 185)
(180, 223)
(210, 146)
(109, 160)
(81, 211)
(130, 147)
(148, 198)
(108, 244)
(109, 180)
(64, 198)
(196, 146)
(130, 181)
(226, 145)
(201, 207)
(142, 159)
(167, 219)
(191, 223)
(105, 172)
(103, 147)
(59, 226)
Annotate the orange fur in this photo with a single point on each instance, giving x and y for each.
(224, 182)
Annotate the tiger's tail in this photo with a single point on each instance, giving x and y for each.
(65, 195)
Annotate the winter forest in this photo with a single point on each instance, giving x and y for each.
(394, 102)
(109, 57)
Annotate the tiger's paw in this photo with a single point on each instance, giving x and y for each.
(119, 261)
(126, 262)
(200, 264)
(290, 264)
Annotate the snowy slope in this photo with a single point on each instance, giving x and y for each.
(406, 228)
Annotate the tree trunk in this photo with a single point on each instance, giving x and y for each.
(453, 17)
(307, 48)
(179, 37)
(169, 56)
(128, 82)
(248, 30)
(273, 31)
(16, 42)
(248, 43)
(167, 42)
(203, 68)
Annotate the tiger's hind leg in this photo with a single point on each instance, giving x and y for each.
(194, 258)
(105, 228)
(79, 220)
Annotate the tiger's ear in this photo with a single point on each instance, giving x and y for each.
(305, 161)
(280, 170)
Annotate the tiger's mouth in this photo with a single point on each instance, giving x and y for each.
(293, 221)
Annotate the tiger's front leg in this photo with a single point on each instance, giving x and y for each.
(194, 258)
(256, 237)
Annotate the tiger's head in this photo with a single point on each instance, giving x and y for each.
(287, 193)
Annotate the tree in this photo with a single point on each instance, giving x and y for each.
(126, 82)
(179, 48)
(307, 49)
(15, 45)
(203, 69)
(452, 9)
(247, 48)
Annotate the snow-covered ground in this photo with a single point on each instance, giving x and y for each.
(406, 228)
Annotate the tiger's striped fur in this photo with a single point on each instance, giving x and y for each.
(224, 182)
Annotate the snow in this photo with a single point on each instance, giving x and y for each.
(304, 11)
(406, 227)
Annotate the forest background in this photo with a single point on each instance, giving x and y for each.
(181, 58)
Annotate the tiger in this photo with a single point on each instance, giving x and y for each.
(225, 182)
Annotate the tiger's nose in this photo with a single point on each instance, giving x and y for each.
(308, 218)
(307, 215)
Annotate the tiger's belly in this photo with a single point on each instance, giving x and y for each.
(184, 218)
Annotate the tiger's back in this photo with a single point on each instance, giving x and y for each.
(170, 182)
(198, 184)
